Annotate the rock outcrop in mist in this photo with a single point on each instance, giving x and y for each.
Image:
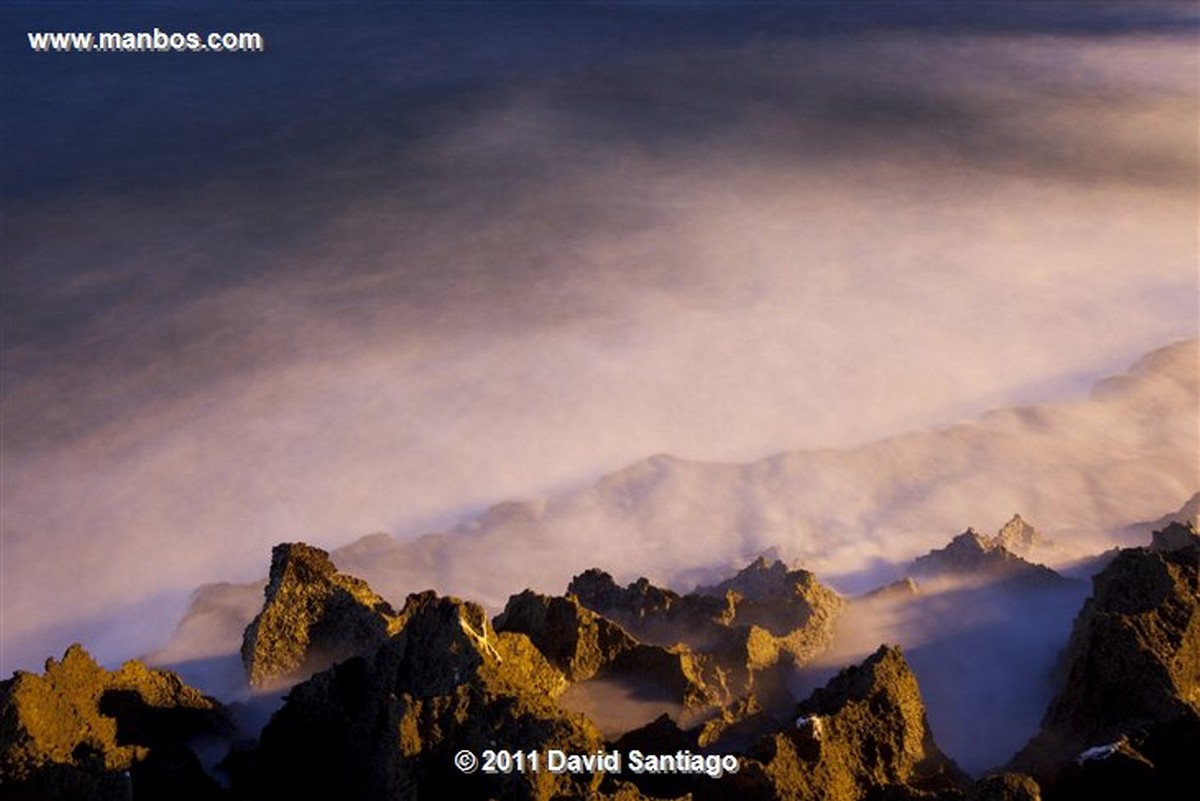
(313, 616)
(448, 680)
(990, 558)
(857, 517)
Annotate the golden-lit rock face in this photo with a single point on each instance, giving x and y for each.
(446, 681)
(743, 633)
(81, 731)
(312, 617)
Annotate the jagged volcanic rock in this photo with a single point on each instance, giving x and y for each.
(82, 732)
(1132, 672)
(312, 617)
(386, 725)
(746, 632)
(862, 734)
(575, 639)
(782, 601)
(976, 555)
(583, 645)
(790, 607)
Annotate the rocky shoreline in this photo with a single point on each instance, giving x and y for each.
(383, 703)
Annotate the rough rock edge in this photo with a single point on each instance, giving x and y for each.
(80, 731)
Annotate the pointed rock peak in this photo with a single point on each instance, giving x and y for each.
(866, 729)
(883, 671)
(389, 725)
(971, 540)
(312, 616)
(595, 586)
(75, 654)
(1017, 536)
(299, 556)
(596, 590)
(445, 626)
(75, 663)
(900, 588)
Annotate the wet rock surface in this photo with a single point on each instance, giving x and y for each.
(81, 732)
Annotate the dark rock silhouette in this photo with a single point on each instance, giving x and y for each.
(584, 644)
(312, 617)
(1175, 537)
(81, 732)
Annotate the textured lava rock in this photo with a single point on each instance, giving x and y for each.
(312, 617)
(81, 732)
(384, 726)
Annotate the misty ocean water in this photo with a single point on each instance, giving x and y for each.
(412, 262)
